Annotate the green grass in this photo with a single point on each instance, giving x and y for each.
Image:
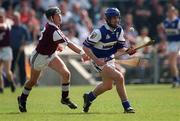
(152, 103)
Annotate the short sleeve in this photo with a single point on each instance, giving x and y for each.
(59, 37)
(121, 40)
(94, 37)
(121, 37)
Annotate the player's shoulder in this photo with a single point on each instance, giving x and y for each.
(95, 35)
(120, 28)
(95, 32)
(51, 27)
(178, 19)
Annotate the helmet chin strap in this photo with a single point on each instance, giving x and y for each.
(110, 25)
(53, 21)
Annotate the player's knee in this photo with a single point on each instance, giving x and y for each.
(8, 73)
(66, 75)
(108, 87)
(31, 83)
(120, 78)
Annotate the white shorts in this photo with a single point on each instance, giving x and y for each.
(173, 46)
(39, 61)
(6, 53)
(110, 63)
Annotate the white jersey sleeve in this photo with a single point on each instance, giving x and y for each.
(94, 37)
(121, 40)
(58, 36)
(121, 37)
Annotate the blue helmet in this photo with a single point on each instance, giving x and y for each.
(110, 12)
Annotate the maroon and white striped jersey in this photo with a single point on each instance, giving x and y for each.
(50, 37)
(5, 36)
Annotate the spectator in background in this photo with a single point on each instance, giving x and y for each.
(72, 36)
(141, 14)
(85, 26)
(161, 40)
(19, 37)
(48, 3)
(94, 11)
(171, 26)
(76, 10)
(142, 39)
(9, 14)
(130, 35)
(24, 8)
(5, 52)
(156, 18)
(84, 4)
(36, 5)
(66, 15)
(175, 3)
(33, 25)
(101, 20)
(160, 36)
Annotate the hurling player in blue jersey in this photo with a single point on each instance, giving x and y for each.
(171, 26)
(101, 46)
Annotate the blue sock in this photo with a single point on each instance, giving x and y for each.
(176, 79)
(126, 104)
(91, 96)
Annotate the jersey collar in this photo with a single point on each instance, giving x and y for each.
(51, 23)
(172, 19)
(109, 28)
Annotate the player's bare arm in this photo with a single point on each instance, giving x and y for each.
(130, 51)
(78, 50)
(98, 61)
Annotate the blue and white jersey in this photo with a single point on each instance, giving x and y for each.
(105, 42)
(172, 29)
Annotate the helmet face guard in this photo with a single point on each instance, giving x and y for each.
(109, 13)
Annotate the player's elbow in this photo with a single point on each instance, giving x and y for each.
(86, 50)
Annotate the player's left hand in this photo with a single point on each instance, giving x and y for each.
(85, 58)
(131, 51)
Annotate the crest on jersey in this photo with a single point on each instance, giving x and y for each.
(93, 35)
(107, 36)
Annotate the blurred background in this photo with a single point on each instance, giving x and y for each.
(79, 18)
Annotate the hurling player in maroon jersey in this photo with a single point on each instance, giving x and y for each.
(44, 55)
(5, 52)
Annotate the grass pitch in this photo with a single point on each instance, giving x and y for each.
(152, 103)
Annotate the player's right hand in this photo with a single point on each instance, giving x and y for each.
(131, 51)
(100, 62)
(85, 58)
(60, 48)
